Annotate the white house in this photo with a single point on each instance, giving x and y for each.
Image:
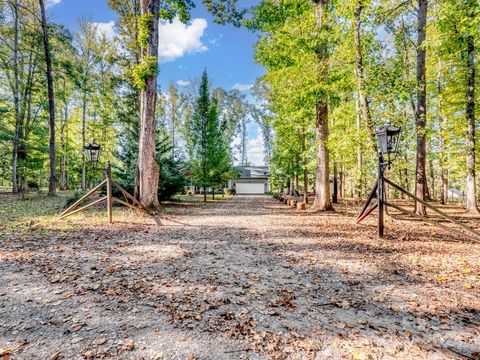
(252, 180)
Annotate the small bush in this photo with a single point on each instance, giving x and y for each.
(32, 185)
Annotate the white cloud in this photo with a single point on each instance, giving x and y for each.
(108, 29)
(184, 83)
(256, 150)
(242, 87)
(177, 39)
(51, 3)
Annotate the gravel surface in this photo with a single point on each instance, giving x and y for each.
(244, 278)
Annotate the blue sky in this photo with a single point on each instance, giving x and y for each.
(186, 49)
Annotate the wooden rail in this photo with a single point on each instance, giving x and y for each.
(137, 205)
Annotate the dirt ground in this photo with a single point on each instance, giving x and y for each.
(243, 278)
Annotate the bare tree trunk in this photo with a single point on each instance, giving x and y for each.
(148, 167)
(443, 171)
(359, 180)
(305, 168)
(444, 187)
(51, 99)
(470, 111)
(323, 200)
(335, 183)
(365, 107)
(244, 142)
(16, 92)
(296, 183)
(421, 109)
(63, 146)
(432, 178)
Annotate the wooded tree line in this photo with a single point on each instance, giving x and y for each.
(61, 90)
(336, 70)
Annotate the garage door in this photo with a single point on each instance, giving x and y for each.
(250, 188)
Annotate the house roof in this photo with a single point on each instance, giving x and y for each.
(250, 172)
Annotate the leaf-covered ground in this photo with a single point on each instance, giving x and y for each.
(245, 278)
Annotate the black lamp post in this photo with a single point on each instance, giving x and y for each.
(93, 154)
(388, 138)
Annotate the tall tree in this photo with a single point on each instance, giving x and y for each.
(16, 95)
(421, 109)
(201, 133)
(86, 40)
(175, 106)
(323, 200)
(471, 195)
(148, 169)
(359, 71)
(51, 99)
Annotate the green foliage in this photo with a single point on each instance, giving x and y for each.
(144, 23)
(146, 69)
(211, 164)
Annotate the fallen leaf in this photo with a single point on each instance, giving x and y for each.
(100, 341)
(395, 308)
(358, 355)
(129, 345)
(75, 327)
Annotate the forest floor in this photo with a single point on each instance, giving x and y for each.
(244, 278)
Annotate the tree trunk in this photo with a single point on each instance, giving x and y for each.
(305, 168)
(296, 183)
(359, 72)
(148, 167)
(16, 93)
(323, 200)
(359, 180)
(63, 146)
(442, 152)
(335, 184)
(244, 142)
(421, 108)
(444, 187)
(51, 99)
(470, 111)
(432, 178)
(173, 131)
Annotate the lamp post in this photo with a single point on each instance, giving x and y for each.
(92, 152)
(388, 137)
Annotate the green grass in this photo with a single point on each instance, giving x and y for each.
(18, 212)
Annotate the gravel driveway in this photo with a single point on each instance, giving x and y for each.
(244, 278)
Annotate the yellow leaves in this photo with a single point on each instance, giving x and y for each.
(395, 308)
(440, 278)
(468, 286)
(4, 353)
(359, 355)
(467, 271)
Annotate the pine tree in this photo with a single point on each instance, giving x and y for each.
(211, 160)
